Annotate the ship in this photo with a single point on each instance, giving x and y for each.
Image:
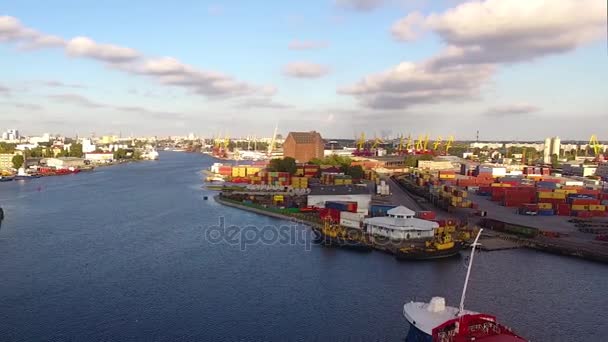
(436, 322)
(335, 235)
(442, 246)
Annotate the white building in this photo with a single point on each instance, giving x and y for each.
(99, 157)
(11, 135)
(65, 162)
(320, 194)
(87, 145)
(400, 224)
(45, 138)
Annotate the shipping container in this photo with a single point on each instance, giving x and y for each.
(342, 205)
(426, 215)
(380, 209)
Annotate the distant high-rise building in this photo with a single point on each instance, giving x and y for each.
(11, 134)
(552, 146)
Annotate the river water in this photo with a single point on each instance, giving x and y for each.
(125, 253)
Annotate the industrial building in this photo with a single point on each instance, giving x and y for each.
(581, 170)
(99, 157)
(552, 147)
(320, 194)
(65, 162)
(303, 146)
(400, 224)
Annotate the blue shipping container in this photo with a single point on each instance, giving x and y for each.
(380, 210)
(546, 212)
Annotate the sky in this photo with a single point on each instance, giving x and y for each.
(512, 69)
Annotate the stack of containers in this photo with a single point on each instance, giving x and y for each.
(517, 196)
(311, 171)
(447, 175)
(239, 171)
(350, 206)
(343, 180)
(299, 182)
(252, 170)
(225, 170)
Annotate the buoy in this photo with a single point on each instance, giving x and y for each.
(205, 198)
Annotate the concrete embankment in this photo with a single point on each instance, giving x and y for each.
(262, 211)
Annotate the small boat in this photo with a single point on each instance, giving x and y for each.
(338, 236)
(6, 178)
(436, 322)
(442, 246)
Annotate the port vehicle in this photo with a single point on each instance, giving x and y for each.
(442, 246)
(436, 322)
(335, 235)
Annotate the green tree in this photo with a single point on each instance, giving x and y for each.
(286, 164)
(554, 161)
(120, 154)
(7, 148)
(356, 171)
(17, 161)
(76, 150)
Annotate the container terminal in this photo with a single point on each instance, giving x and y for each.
(519, 200)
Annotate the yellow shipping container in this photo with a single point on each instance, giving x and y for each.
(278, 198)
(597, 207)
(545, 206)
(559, 196)
(580, 207)
(545, 194)
(252, 171)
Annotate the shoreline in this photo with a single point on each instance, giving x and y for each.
(540, 246)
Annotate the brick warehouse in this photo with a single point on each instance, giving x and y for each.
(303, 146)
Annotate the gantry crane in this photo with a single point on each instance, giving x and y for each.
(597, 148)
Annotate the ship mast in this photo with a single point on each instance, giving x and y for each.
(466, 280)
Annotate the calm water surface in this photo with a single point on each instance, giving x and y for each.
(120, 254)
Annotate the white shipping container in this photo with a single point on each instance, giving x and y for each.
(350, 223)
(574, 183)
(347, 215)
(499, 171)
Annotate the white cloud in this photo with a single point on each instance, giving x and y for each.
(408, 28)
(497, 31)
(359, 5)
(171, 71)
(411, 84)
(86, 47)
(512, 110)
(305, 70)
(307, 45)
(166, 70)
(263, 102)
(11, 30)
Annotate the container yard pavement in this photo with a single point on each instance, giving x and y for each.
(399, 196)
(558, 224)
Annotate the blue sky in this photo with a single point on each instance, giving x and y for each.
(538, 71)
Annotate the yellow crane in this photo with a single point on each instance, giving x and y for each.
(437, 143)
(426, 143)
(595, 144)
(361, 142)
(448, 144)
(410, 143)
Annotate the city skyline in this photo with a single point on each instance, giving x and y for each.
(339, 67)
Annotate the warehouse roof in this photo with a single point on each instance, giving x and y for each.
(339, 190)
(401, 223)
(305, 137)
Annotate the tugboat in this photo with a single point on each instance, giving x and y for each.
(335, 235)
(442, 246)
(436, 322)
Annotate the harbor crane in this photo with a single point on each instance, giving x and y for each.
(597, 148)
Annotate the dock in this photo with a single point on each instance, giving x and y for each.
(497, 244)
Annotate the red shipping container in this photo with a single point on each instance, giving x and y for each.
(426, 215)
(585, 214)
(584, 201)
